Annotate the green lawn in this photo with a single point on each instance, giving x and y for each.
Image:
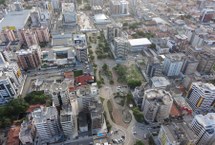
(133, 73)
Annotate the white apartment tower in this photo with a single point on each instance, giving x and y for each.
(156, 105)
(121, 47)
(46, 121)
(204, 127)
(201, 96)
(173, 64)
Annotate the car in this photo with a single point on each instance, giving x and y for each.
(135, 132)
(120, 140)
(114, 141)
(123, 137)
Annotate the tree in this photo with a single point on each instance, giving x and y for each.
(138, 115)
(134, 83)
(37, 97)
(139, 142)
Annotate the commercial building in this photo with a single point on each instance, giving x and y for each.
(207, 15)
(119, 7)
(190, 65)
(173, 64)
(204, 127)
(69, 14)
(176, 134)
(201, 96)
(113, 30)
(101, 19)
(63, 39)
(159, 82)
(154, 67)
(138, 45)
(46, 122)
(30, 58)
(206, 62)
(121, 48)
(156, 105)
(27, 133)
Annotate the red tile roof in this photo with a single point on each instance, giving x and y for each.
(84, 79)
(174, 112)
(13, 136)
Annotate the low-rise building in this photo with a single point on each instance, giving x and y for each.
(138, 45)
(159, 82)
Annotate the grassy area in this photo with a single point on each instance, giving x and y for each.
(110, 109)
(139, 142)
(38, 97)
(78, 73)
(133, 73)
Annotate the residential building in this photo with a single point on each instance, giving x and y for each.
(68, 122)
(46, 122)
(80, 39)
(7, 35)
(154, 67)
(113, 30)
(161, 46)
(7, 88)
(97, 118)
(59, 93)
(42, 34)
(204, 127)
(82, 53)
(69, 14)
(101, 19)
(27, 133)
(156, 105)
(173, 64)
(28, 37)
(121, 48)
(207, 15)
(96, 3)
(190, 65)
(159, 82)
(138, 95)
(138, 45)
(176, 134)
(30, 58)
(119, 7)
(201, 96)
(206, 62)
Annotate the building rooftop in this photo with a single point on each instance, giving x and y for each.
(101, 18)
(205, 86)
(140, 41)
(16, 19)
(25, 129)
(13, 136)
(206, 120)
(179, 132)
(158, 96)
(175, 56)
(68, 8)
(160, 82)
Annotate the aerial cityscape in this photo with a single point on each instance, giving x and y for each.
(107, 72)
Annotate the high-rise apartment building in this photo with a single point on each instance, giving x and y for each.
(201, 96)
(119, 7)
(190, 65)
(204, 127)
(46, 122)
(69, 14)
(121, 47)
(206, 62)
(7, 35)
(82, 53)
(173, 64)
(156, 105)
(154, 67)
(42, 34)
(113, 31)
(30, 58)
(27, 36)
(176, 134)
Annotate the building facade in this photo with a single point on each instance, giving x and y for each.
(121, 47)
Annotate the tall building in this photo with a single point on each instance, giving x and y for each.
(96, 3)
(31, 58)
(96, 115)
(7, 35)
(82, 53)
(176, 134)
(7, 88)
(156, 105)
(46, 122)
(173, 64)
(204, 127)
(201, 96)
(207, 15)
(113, 31)
(69, 14)
(121, 47)
(55, 4)
(27, 133)
(206, 62)
(154, 67)
(119, 7)
(68, 122)
(190, 65)
(42, 34)
(59, 93)
(27, 36)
